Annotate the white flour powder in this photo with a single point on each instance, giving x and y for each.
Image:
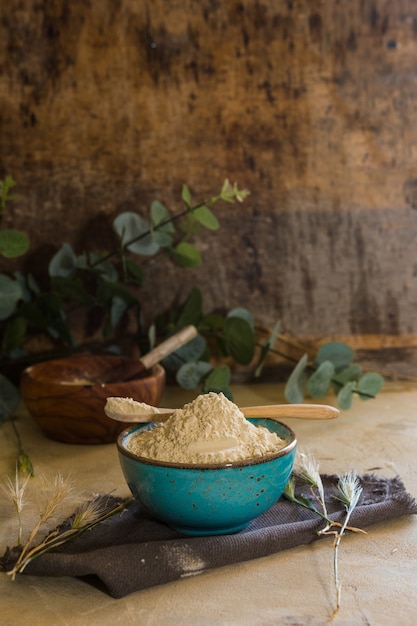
(127, 406)
(190, 432)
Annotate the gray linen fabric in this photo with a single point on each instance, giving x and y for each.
(131, 551)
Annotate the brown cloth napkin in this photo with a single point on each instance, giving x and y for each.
(131, 551)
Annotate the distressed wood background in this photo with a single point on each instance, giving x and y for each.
(106, 105)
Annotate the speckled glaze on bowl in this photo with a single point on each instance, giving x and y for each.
(209, 499)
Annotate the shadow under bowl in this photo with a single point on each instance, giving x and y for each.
(68, 408)
(208, 499)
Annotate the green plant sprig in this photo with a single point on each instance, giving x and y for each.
(85, 518)
(229, 193)
(348, 491)
(13, 243)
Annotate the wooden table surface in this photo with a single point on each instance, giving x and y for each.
(377, 570)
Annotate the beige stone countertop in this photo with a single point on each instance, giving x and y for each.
(378, 571)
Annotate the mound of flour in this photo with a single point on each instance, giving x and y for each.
(190, 433)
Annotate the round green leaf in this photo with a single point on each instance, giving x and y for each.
(71, 289)
(135, 271)
(187, 255)
(352, 372)
(14, 334)
(10, 294)
(294, 389)
(190, 352)
(340, 354)
(190, 375)
(213, 322)
(206, 218)
(266, 347)
(64, 262)
(345, 395)
(319, 382)
(9, 398)
(186, 196)
(117, 309)
(191, 310)
(13, 243)
(239, 339)
(107, 291)
(244, 314)
(370, 385)
(163, 228)
(135, 233)
(218, 379)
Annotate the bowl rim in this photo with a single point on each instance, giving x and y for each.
(286, 449)
(35, 374)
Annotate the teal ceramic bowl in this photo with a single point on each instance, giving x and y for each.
(208, 499)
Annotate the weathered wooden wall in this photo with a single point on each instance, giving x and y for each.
(311, 104)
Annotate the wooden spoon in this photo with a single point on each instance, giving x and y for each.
(130, 369)
(146, 413)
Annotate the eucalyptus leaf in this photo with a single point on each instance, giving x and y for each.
(152, 336)
(14, 334)
(159, 215)
(13, 243)
(319, 382)
(32, 284)
(34, 316)
(352, 372)
(9, 398)
(63, 263)
(71, 289)
(243, 314)
(5, 196)
(135, 271)
(27, 285)
(370, 385)
(58, 328)
(296, 383)
(107, 291)
(266, 347)
(117, 309)
(135, 233)
(340, 354)
(191, 312)
(345, 395)
(218, 379)
(186, 255)
(206, 218)
(186, 196)
(106, 270)
(10, 294)
(213, 322)
(190, 375)
(190, 352)
(239, 339)
(50, 304)
(163, 228)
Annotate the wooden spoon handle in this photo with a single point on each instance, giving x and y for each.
(271, 411)
(302, 411)
(168, 346)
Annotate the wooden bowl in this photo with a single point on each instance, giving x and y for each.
(68, 408)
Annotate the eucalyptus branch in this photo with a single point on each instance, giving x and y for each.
(228, 193)
(312, 368)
